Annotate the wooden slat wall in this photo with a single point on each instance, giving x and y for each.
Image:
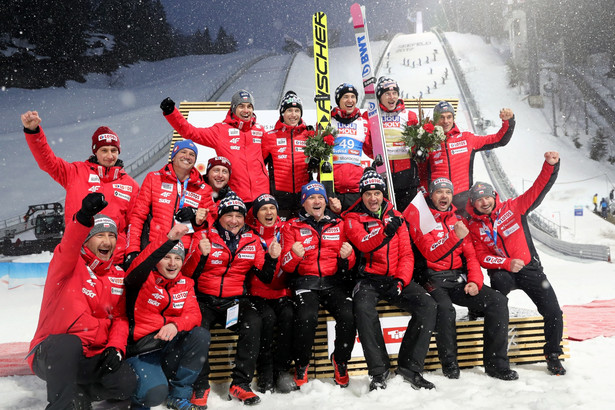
(526, 339)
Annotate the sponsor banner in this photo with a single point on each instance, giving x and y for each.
(393, 331)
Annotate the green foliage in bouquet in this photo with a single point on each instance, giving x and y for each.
(422, 136)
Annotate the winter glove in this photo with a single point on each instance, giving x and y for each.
(92, 204)
(129, 259)
(223, 191)
(185, 214)
(110, 360)
(393, 225)
(395, 288)
(313, 164)
(167, 106)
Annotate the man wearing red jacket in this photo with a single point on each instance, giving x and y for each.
(353, 138)
(103, 172)
(454, 276)
(283, 153)
(395, 116)
(167, 347)
(221, 261)
(318, 256)
(175, 194)
(82, 330)
(505, 248)
(454, 159)
(237, 138)
(272, 300)
(385, 272)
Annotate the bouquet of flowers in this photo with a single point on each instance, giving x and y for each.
(319, 146)
(422, 136)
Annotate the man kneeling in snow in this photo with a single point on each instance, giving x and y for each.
(80, 341)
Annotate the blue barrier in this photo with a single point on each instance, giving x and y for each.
(24, 273)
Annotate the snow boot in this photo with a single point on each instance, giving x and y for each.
(554, 365)
(341, 373)
(379, 381)
(179, 404)
(502, 374)
(243, 393)
(265, 383)
(301, 375)
(285, 383)
(451, 370)
(415, 379)
(199, 398)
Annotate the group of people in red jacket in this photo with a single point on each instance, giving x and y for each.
(257, 246)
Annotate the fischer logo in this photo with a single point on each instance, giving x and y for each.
(321, 56)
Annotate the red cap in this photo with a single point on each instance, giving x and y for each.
(104, 136)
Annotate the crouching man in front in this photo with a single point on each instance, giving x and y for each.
(80, 340)
(167, 347)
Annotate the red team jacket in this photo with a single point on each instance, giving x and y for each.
(442, 248)
(283, 149)
(455, 157)
(224, 275)
(82, 177)
(277, 288)
(321, 249)
(83, 296)
(504, 234)
(236, 140)
(159, 301)
(383, 255)
(160, 198)
(352, 140)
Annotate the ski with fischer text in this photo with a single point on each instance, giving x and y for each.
(323, 95)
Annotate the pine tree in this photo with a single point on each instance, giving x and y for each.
(598, 145)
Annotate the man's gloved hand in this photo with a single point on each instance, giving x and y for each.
(110, 360)
(185, 214)
(313, 164)
(393, 225)
(128, 260)
(167, 106)
(92, 204)
(395, 289)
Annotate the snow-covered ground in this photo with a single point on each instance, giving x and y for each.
(77, 110)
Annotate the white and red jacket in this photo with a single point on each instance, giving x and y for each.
(283, 152)
(322, 242)
(277, 288)
(158, 201)
(225, 274)
(153, 300)
(383, 255)
(82, 177)
(83, 296)
(236, 140)
(455, 157)
(352, 140)
(441, 247)
(504, 234)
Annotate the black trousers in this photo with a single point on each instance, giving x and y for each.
(339, 304)
(59, 360)
(275, 354)
(415, 343)
(248, 328)
(533, 281)
(495, 330)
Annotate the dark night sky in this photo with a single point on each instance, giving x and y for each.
(264, 23)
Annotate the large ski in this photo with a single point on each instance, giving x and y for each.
(323, 96)
(381, 158)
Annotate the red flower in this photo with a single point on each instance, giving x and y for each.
(329, 139)
(412, 121)
(310, 133)
(428, 127)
